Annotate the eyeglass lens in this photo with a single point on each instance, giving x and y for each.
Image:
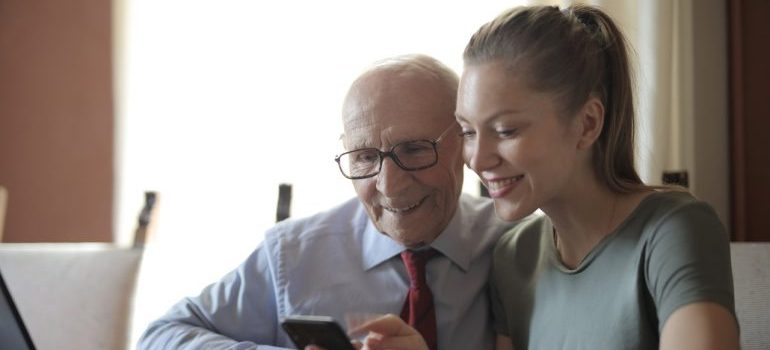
(410, 155)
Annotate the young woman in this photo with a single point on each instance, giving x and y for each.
(546, 107)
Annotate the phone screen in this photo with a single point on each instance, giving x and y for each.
(318, 330)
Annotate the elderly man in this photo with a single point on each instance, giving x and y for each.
(410, 219)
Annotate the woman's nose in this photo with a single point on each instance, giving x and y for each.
(479, 154)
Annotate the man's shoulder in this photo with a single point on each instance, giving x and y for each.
(349, 216)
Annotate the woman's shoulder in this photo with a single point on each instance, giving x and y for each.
(663, 204)
(525, 237)
(676, 211)
(530, 225)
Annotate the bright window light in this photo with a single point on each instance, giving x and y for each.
(219, 102)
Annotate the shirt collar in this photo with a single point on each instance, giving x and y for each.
(453, 243)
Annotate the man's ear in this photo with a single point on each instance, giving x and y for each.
(591, 122)
(343, 140)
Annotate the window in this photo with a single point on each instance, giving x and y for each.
(211, 97)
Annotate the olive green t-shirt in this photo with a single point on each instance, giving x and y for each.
(671, 251)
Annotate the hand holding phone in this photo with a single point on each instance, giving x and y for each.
(316, 330)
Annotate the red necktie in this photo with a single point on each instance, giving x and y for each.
(418, 308)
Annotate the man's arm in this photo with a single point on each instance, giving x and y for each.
(701, 326)
(238, 312)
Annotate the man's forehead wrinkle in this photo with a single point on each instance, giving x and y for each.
(358, 121)
(360, 100)
(368, 96)
(365, 131)
(382, 93)
(386, 95)
(358, 112)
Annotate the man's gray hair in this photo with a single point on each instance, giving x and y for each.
(413, 64)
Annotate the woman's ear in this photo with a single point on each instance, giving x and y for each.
(591, 120)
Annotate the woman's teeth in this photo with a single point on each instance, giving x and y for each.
(498, 184)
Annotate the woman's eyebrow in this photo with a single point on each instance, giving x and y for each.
(494, 116)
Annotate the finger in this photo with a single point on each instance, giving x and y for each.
(355, 319)
(410, 342)
(388, 325)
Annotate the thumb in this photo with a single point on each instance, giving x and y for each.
(387, 325)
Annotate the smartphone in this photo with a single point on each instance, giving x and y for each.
(317, 330)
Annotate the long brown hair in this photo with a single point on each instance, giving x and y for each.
(576, 53)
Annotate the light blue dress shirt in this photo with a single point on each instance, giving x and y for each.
(335, 263)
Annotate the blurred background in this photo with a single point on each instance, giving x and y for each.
(213, 104)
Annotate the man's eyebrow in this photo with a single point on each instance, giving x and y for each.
(359, 144)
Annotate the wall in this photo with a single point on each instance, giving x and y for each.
(56, 117)
(708, 124)
(56, 124)
(750, 118)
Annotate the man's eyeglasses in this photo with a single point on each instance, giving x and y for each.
(409, 155)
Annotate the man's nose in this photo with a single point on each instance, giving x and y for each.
(391, 180)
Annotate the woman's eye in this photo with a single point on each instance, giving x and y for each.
(467, 133)
(506, 132)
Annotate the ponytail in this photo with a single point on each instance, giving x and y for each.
(576, 53)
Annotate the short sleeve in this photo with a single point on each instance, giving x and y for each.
(688, 260)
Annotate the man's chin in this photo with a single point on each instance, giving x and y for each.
(409, 243)
(411, 238)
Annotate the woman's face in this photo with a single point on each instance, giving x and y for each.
(514, 138)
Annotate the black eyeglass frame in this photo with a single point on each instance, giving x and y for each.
(392, 155)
